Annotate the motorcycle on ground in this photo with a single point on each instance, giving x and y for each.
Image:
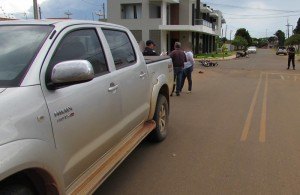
(242, 54)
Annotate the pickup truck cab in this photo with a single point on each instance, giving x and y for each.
(76, 97)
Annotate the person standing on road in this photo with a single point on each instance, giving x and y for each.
(178, 59)
(188, 68)
(149, 49)
(291, 53)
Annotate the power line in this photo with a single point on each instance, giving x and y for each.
(243, 7)
(90, 3)
(250, 15)
(263, 17)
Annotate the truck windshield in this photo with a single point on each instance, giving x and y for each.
(18, 47)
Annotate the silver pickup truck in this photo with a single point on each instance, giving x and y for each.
(76, 97)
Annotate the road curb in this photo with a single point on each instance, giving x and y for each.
(216, 59)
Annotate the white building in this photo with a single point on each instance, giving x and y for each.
(168, 21)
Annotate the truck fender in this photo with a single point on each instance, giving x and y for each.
(31, 154)
(161, 81)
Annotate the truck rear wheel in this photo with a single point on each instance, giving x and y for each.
(161, 117)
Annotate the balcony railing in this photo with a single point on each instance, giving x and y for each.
(203, 22)
(206, 23)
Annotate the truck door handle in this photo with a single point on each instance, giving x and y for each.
(143, 75)
(112, 87)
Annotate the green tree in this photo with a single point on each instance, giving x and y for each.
(224, 40)
(255, 42)
(293, 40)
(239, 42)
(281, 37)
(262, 42)
(242, 32)
(297, 29)
(220, 41)
(272, 39)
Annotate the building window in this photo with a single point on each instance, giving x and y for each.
(137, 35)
(155, 35)
(131, 11)
(154, 10)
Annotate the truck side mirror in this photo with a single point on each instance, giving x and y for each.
(71, 72)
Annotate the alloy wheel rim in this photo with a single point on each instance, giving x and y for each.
(162, 119)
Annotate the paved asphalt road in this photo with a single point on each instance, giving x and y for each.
(238, 132)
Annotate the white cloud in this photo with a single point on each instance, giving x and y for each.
(13, 8)
(10, 6)
(257, 5)
(258, 17)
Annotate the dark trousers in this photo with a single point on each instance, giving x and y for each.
(177, 78)
(187, 73)
(291, 58)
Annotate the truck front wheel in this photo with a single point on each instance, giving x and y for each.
(161, 117)
(17, 189)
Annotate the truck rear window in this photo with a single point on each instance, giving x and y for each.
(120, 47)
(19, 45)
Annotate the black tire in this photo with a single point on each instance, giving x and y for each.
(161, 118)
(17, 189)
(205, 64)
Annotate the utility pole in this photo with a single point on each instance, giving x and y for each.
(288, 28)
(103, 8)
(226, 32)
(68, 13)
(103, 12)
(35, 10)
(93, 16)
(230, 35)
(40, 12)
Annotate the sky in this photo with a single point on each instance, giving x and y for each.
(262, 18)
(80, 9)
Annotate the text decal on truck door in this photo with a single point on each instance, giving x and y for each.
(64, 114)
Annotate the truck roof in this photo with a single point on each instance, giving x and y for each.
(56, 22)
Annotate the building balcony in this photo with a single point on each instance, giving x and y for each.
(205, 23)
(214, 15)
(196, 28)
(205, 9)
(167, 1)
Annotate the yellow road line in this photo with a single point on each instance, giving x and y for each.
(281, 73)
(263, 121)
(251, 111)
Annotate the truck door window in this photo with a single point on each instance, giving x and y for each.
(121, 48)
(81, 45)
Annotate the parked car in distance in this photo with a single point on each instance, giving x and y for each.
(251, 49)
(281, 50)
